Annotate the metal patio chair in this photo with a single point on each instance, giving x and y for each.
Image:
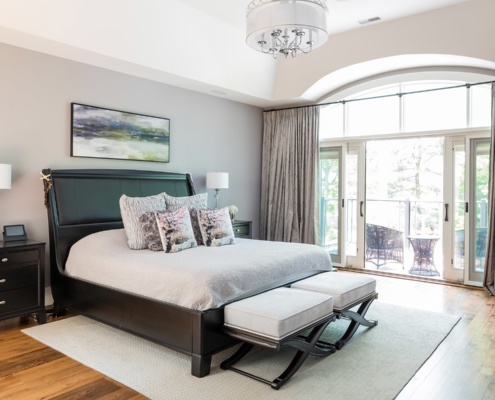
(383, 245)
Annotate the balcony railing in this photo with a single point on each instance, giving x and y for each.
(412, 217)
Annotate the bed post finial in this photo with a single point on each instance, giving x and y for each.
(46, 177)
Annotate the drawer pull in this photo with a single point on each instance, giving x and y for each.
(3, 280)
(237, 230)
(2, 302)
(5, 259)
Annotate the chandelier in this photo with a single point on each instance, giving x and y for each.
(286, 26)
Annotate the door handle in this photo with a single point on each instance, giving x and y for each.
(446, 212)
(361, 212)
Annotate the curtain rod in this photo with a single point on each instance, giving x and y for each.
(467, 85)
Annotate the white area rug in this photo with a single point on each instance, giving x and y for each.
(376, 364)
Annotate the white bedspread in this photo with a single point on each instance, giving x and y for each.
(199, 278)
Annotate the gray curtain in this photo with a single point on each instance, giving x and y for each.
(289, 175)
(489, 276)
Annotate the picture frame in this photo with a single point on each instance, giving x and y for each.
(98, 132)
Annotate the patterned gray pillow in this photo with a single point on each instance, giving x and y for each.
(216, 227)
(193, 203)
(150, 230)
(131, 209)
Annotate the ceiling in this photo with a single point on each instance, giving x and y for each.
(194, 44)
(344, 15)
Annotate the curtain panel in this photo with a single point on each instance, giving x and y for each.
(289, 175)
(489, 275)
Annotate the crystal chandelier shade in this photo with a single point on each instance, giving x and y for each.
(286, 26)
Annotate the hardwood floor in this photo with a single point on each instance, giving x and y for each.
(30, 370)
(462, 368)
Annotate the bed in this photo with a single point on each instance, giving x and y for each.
(83, 210)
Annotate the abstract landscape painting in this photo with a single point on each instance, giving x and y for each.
(103, 133)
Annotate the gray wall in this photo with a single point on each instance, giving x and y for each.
(207, 133)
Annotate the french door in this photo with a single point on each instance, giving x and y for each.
(447, 203)
(341, 234)
(467, 222)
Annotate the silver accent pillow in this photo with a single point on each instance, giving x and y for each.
(131, 208)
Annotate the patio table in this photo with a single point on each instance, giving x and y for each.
(423, 247)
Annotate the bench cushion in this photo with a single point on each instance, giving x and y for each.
(279, 312)
(344, 288)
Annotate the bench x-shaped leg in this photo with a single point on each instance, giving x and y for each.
(357, 319)
(304, 345)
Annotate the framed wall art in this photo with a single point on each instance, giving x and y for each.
(103, 133)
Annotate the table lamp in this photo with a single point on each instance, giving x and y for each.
(217, 181)
(5, 176)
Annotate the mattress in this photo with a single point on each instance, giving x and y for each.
(200, 278)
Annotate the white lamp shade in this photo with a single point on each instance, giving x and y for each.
(5, 176)
(263, 17)
(217, 180)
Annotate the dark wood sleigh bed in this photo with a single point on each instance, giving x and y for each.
(82, 202)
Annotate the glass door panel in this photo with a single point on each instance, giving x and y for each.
(330, 200)
(459, 210)
(479, 213)
(351, 202)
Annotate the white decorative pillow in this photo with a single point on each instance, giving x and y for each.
(194, 203)
(216, 227)
(175, 230)
(131, 208)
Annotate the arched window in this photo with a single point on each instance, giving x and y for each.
(409, 160)
(424, 106)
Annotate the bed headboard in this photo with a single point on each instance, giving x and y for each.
(84, 201)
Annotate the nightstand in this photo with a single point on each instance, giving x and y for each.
(22, 279)
(242, 229)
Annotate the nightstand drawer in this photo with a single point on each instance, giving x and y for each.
(14, 278)
(13, 300)
(242, 229)
(17, 257)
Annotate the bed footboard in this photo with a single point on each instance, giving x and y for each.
(195, 333)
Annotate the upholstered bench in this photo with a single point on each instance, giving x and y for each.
(276, 319)
(347, 291)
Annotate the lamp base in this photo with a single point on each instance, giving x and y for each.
(217, 197)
